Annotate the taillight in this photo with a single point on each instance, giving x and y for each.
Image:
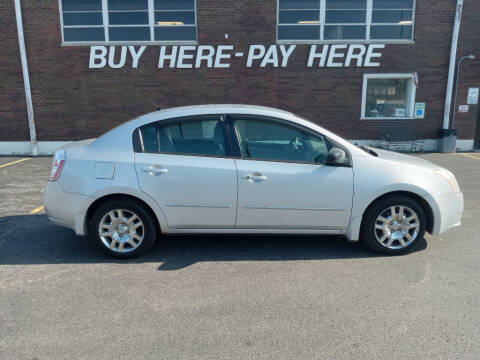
(57, 165)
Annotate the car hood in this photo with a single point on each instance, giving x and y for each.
(404, 159)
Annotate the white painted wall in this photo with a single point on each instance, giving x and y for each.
(25, 147)
(428, 144)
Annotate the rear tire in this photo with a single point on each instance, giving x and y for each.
(123, 228)
(394, 225)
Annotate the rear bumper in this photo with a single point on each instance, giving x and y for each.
(449, 212)
(65, 209)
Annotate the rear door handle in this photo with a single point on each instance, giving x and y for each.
(255, 177)
(155, 170)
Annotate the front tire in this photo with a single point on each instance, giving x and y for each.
(123, 228)
(394, 225)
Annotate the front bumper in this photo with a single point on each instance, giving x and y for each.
(449, 212)
(65, 209)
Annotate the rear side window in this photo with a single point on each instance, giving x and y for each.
(149, 138)
(188, 137)
(271, 140)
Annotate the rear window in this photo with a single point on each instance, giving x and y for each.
(189, 137)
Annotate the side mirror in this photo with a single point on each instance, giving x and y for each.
(336, 157)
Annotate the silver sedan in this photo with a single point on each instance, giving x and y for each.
(244, 169)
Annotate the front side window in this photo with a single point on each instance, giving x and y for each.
(347, 20)
(388, 96)
(128, 21)
(203, 137)
(271, 140)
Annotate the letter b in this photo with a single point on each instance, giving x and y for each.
(97, 57)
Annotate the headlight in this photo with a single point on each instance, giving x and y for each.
(449, 178)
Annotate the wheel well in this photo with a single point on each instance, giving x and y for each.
(421, 201)
(97, 203)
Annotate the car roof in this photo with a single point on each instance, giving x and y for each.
(219, 108)
(126, 129)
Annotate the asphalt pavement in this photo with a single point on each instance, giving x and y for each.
(233, 297)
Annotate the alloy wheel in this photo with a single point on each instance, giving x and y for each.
(121, 230)
(397, 227)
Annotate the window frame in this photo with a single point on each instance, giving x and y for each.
(137, 142)
(106, 24)
(410, 96)
(232, 143)
(368, 23)
(237, 147)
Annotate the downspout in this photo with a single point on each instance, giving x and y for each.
(26, 78)
(451, 69)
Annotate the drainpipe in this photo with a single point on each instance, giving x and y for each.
(451, 69)
(459, 66)
(26, 78)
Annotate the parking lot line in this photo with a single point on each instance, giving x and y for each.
(14, 162)
(471, 156)
(37, 210)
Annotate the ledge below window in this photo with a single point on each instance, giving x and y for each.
(126, 43)
(387, 118)
(345, 42)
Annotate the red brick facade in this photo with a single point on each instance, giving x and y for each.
(74, 102)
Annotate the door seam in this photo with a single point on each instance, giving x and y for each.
(236, 207)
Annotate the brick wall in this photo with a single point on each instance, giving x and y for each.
(74, 102)
(13, 112)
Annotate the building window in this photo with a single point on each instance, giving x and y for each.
(388, 96)
(128, 21)
(345, 20)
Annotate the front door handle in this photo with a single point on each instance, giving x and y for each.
(155, 170)
(255, 177)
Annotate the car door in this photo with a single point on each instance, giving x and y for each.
(183, 165)
(283, 182)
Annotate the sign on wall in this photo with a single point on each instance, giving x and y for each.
(419, 110)
(472, 98)
(221, 56)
